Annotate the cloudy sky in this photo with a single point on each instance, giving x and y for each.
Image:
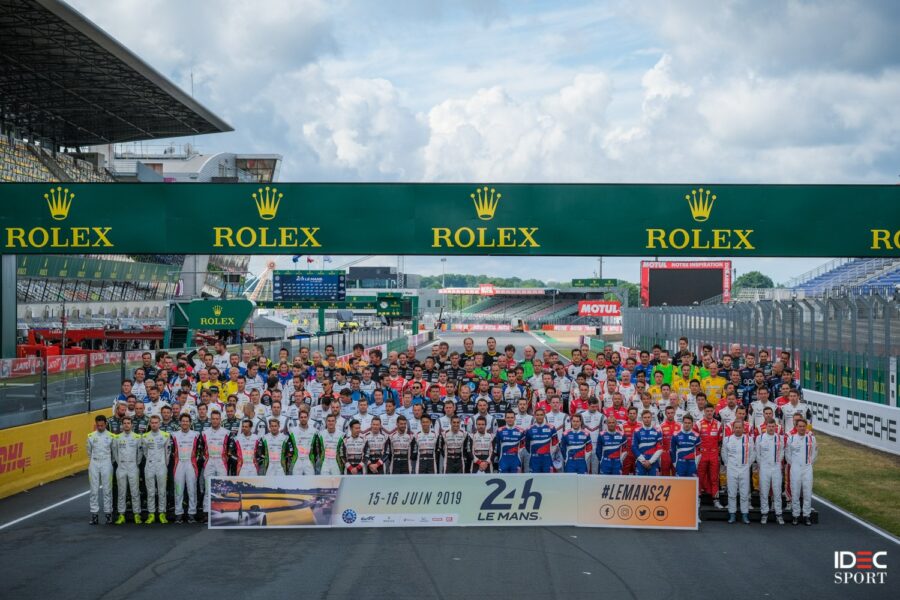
(484, 90)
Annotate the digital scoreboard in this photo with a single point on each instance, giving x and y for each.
(309, 285)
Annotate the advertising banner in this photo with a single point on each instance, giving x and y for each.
(39, 453)
(475, 219)
(866, 423)
(479, 327)
(599, 308)
(454, 500)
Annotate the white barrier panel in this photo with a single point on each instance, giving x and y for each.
(454, 500)
(479, 327)
(866, 423)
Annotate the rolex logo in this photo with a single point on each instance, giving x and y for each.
(60, 201)
(701, 203)
(217, 310)
(486, 201)
(267, 202)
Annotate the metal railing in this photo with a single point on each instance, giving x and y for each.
(34, 389)
(839, 345)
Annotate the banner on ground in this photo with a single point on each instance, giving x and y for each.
(866, 423)
(454, 500)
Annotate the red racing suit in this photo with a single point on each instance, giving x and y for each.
(710, 432)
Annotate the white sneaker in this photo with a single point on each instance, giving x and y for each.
(779, 519)
(764, 520)
(717, 504)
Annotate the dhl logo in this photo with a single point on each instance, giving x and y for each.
(12, 458)
(61, 445)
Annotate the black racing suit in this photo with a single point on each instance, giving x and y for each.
(456, 450)
(401, 452)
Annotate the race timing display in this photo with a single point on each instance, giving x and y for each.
(308, 286)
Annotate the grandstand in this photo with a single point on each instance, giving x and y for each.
(531, 305)
(81, 111)
(862, 274)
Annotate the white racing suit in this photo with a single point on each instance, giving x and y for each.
(186, 449)
(737, 456)
(127, 456)
(801, 453)
(215, 443)
(100, 470)
(770, 457)
(331, 449)
(156, 448)
(245, 450)
(307, 446)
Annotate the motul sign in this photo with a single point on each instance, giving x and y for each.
(599, 308)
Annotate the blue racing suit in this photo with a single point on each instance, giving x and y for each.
(609, 451)
(541, 442)
(684, 453)
(509, 440)
(576, 448)
(647, 444)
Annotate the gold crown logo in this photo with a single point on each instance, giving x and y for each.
(701, 203)
(60, 201)
(486, 201)
(217, 310)
(267, 202)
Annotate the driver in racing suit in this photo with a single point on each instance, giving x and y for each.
(455, 447)
(332, 441)
(188, 450)
(353, 451)
(308, 444)
(425, 448)
(100, 469)
(215, 451)
(156, 446)
(126, 453)
(482, 447)
(401, 448)
(244, 449)
(277, 450)
(378, 449)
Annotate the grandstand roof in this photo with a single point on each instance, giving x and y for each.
(64, 78)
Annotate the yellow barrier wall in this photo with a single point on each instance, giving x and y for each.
(39, 453)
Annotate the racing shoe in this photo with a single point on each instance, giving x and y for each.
(191, 519)
(764, 519)
(779, 519)
(745, 518)
(732, 518)
(137, 519)
(163, 519)
(807, 521)
(796, 521)
(151, 519)
(109, 518)
(95, 519)
(120, 520)
(718, 504)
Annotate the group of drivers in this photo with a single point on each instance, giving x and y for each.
(445, 415)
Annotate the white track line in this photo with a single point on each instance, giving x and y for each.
(43, 510)
(856, 519)
(547, 345)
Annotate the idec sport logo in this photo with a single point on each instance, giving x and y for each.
(61, 445)
(12, 458)
(862, 567)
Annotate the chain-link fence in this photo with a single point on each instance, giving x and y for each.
(845, 346)
(33, 389)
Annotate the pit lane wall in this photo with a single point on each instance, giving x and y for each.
(867, 423)
(39, 453)
(465, 500)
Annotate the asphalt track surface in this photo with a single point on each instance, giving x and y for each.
(56, 554)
